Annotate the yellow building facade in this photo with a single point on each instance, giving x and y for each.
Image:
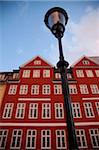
(2, 91)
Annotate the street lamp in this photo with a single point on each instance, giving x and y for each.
(56, 19)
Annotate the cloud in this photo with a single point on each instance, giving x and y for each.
(83, 36)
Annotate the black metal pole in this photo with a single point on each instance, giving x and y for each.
(62, 65)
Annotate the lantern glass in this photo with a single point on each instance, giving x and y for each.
(56, 17)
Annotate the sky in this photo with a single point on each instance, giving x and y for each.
(23, 34)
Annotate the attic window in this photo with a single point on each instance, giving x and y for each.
(85, 62)
(2, 76)
(37, 62)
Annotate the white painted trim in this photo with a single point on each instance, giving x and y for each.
(58, 81)
(87, 67)
(80, 133)
(2, 137)
(95, 135)
(48, 124)
(61, 136)
(28, 67)
(20, 110)
(46, 107)
(47, 137)
(86, 123)
(90, 98)
(14, 81)
(16, 139)
(34, 99)
(31, 136)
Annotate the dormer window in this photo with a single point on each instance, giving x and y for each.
(69, 76)
(15, 75)
(2, 76)
(57, 75)
(85, 62)
(37, 62)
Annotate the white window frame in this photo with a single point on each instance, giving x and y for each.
(7, 113)
(12, 89)
(72, 89)
(58, 89)
(3, 138)
(26, 73)
(59, 111)
(89, 73)
(46, 73)
(83, 89)
(95, 136)
(76, 110)
(97, 107)
(37, 62)
(85, 62)
(57, 75)
(31, 136)
(80, 73)
(34, 89)
(94, 88)
(23, 89)
(46, 111)
(97, 73)
(2, 76)
(46, 89)
(20, 111)
(15, 75)
(88, 110)
(33, 111)
(69, 76)
(81, 136)
(60, 135)
(45, 137)
(36, 73)
(15, 138)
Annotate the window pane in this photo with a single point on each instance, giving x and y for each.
(45, 139)
(94, 135)
(16, 139)
(59, 111)
(31, 139)
(7, 113)
(81, 138)
(3, 138)
(60, 139)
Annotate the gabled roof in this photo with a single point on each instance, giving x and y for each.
(94, 60)
(31, 62)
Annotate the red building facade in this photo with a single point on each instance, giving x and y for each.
(32, 113)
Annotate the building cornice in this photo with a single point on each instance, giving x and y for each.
(27, 67)
(48, 124)
(90, 98)
(86, 67)
(34, 99)
(68, 81)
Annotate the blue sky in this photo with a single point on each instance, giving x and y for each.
(23, 34)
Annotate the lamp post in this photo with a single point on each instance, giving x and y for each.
(55, 19)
